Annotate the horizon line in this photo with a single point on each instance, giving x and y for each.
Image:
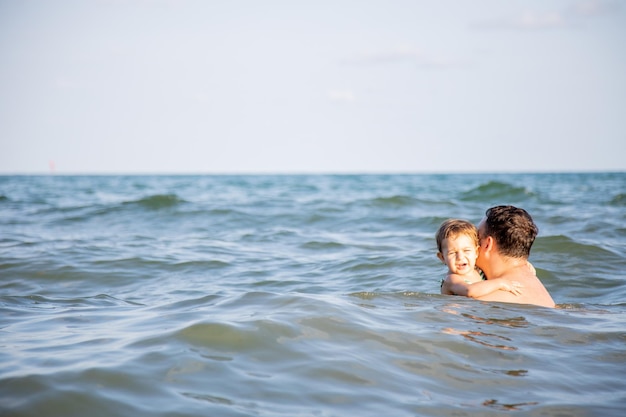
(305, 173)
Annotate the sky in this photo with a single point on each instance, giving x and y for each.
(342, 86)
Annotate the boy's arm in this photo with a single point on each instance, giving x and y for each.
(456, 285)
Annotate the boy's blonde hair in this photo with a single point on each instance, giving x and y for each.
(454, 227)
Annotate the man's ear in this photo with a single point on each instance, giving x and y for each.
(487, 244)
(440, 256)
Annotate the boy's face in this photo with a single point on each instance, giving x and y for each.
(459, 253)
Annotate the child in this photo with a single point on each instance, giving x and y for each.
(457, 242)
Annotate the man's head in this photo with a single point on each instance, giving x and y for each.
(512, 228)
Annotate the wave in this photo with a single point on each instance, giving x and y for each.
(619, 200)
(400, 200)
(47, 302)
(563, 244)
(81, 213)
(200, 265)
(394, 201)
(158, 201)
(497, 191)
(319, 245)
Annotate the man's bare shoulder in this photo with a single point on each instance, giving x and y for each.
(533, 291)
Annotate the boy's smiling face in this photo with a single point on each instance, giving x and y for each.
(459, 253)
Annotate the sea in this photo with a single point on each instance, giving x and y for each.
(302, 295)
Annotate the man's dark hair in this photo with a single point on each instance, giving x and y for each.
(512, 228)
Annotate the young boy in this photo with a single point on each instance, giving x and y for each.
(457, 244)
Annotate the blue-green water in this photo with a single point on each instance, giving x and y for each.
(302, 296)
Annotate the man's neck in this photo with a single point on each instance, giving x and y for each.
(504, 265)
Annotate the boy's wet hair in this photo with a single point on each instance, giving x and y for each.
(453, 228)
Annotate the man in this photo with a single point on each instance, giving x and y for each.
(506, 234)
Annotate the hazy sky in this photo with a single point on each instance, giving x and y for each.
(182, 86)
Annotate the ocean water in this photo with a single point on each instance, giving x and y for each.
(310, 295)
